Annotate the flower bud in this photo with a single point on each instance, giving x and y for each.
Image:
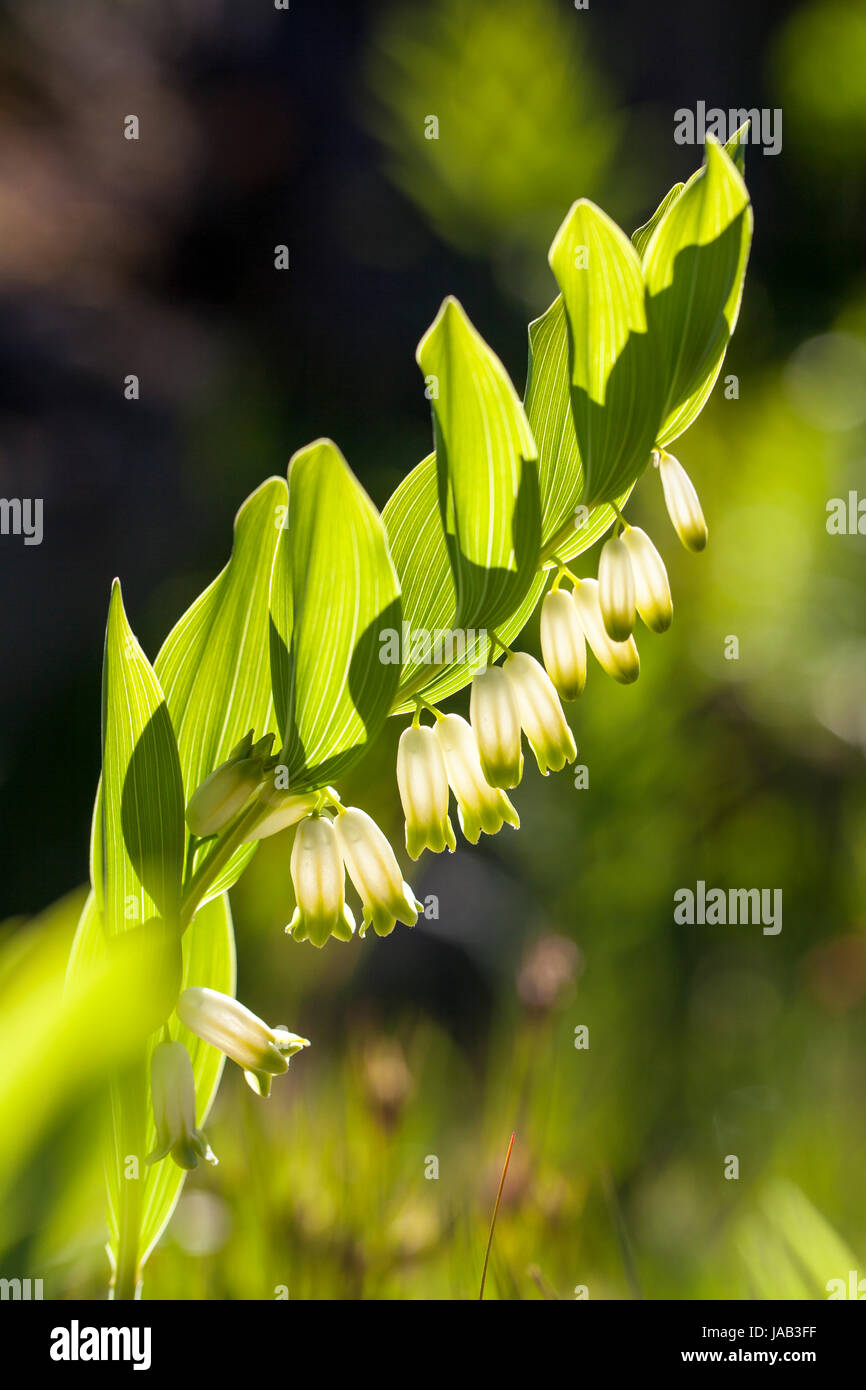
(563, 644)
(244, 749)
(373, 868)
(286, 808)
(496, 726)
(422, 780)
(616, 593)
(541, 715)
(618, 659)
(319, 883)
(479, 806)
(221, 795)
(225, 792)
(652, 589)
(173, 1095)
(681, 500)
(225, 1023)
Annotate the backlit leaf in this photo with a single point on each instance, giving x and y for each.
(208, 959)
(736, 146)
(567, 526)
(429, 604)
(642, 235)
(142, 792)
(66, 1027)
(334, 598)
(214, 665)
(487, 474)
(614, 368)
(695, 266)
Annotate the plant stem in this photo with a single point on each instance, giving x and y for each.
(125, 1287)
(622, 1240)
(217, 860)
(495, 1213)
(128, 1143)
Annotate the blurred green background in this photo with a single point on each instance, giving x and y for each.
(704, 1042)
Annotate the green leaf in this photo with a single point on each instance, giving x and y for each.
(418, 548)
(567, 528)
(208, 959)
(65, 1030)
(214, 664)
(148, 1200)
(142, 824)
(334, 596)
(140, 865)
(642, 235)
(455, 677)
(417, 544)
(616, 386)
(487, 472)
(140, 813)
(736, 146)
(695, 266)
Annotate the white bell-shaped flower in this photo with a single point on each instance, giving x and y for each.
(495, 722)
(373, 868)
(319, 883)
(682, 502)
(651, 585)
(563, 644)
(479, 806)
(618, 659)
(173, 1095)
(422, 780)
(226, 1023)
(541, 714)
(616, 591)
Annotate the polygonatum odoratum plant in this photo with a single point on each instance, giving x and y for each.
(330, 617)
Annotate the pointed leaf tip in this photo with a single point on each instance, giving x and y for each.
(486, 466)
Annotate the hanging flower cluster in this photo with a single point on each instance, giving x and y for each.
(324, 851)
(481, 759)
(325, 621)
(632, 581)
(478, 760)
